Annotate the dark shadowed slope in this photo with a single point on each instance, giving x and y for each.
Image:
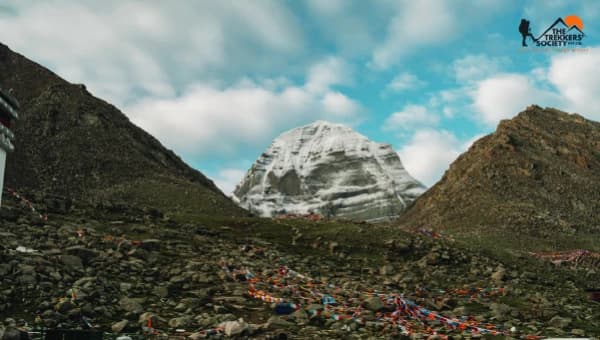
(536, 178)
(73, 144)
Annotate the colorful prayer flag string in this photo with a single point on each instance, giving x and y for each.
(406, 315)
(27, 202)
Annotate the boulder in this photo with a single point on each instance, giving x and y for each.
(233, 328)
(118, 327)
(180, 322)
(373, 304)
(131, 305)
(498, 275)
(277, 322)
(72, 262)
(500, 311)
(559, 322)
(85, 254)
(12, 333)
(64, 306)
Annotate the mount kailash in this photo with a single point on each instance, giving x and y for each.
(331, 170)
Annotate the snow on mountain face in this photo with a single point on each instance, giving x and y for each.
(328, 169)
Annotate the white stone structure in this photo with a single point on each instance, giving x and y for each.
(8, 114)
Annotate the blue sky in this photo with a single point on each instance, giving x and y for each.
(217, 80)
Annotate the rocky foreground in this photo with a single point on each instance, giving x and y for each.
(135, 272)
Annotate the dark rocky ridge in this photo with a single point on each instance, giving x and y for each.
(537, 175)
(73, 144)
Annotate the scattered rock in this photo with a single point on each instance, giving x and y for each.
(12, 333)
(180, 322)
(131, 305)
(373, 304)
(121, 284)
(577, 332)
(64, 306)
(277, 322)
(501, 312)
(119, 326)
(233, 328)
(559, 322)
(498, 275)
(300, 317)
(85, 254)
(72, 262)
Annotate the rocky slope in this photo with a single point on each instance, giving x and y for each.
(536, 177)
(117, 272)
(73, 144)
(328, 169)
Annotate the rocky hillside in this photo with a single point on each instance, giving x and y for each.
(73, 144)
(331, 170)
(117, 272)
(536, 178)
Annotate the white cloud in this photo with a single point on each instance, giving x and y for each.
(405, 81)
(577, 78)
(207, 118)
(275, 84)
(539, 74)
(476, 67)
(574, 80)
(446, 96)
(338, 104)
(419, 24)
(410, 117)
(450, 102)
(429, 153)
(406, 31)
(228, 179)
(126, 49)
(331, 71)
(387, 31)
(469, 72)
(448, 111)
(505, 95)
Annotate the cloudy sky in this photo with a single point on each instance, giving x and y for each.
(217, 80)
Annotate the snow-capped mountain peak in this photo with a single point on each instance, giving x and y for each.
(330, 169)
